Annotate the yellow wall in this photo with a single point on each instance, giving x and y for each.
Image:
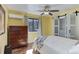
(32, 15)
(3, 38)
(15, 22)
(32, 36)
(47, 25)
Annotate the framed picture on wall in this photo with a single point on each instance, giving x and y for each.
(2, 21)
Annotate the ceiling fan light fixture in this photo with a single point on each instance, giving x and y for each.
(46, 13)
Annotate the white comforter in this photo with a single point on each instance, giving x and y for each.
(59, 45)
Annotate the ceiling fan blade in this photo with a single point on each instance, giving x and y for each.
(41, 13)
(50, 14)
(54, 10)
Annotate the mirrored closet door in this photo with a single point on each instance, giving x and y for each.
(77, 26)
(60, 26)
(56, 27)
(65, 26)
(72, 25)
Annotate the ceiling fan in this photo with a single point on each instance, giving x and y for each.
(47, 10)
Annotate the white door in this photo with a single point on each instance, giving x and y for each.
(77, 26)
(71, 25)
(56, 26)
(62, 26)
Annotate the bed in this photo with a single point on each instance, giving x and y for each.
(56, 45)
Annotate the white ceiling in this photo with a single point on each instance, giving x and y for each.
(34, 7)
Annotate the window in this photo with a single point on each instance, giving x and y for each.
(33, 24)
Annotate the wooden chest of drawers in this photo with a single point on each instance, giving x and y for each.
(17, 36)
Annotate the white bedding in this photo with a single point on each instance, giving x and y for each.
(60, 45)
